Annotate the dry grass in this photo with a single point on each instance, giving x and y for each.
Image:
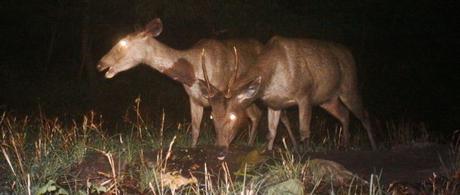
(39, 155)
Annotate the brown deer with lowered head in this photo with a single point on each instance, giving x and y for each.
(228, 120)
(288, 72)
(184, 66)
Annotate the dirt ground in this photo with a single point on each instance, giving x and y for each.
(404, 163)
(411, 164)
(191, 161)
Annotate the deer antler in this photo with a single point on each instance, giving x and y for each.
(235, 74)
(205, 73)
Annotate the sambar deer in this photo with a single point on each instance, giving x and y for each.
(288, 72)
(228, 121)
(184, 66)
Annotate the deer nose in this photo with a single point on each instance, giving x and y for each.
(101, 66)
(222, 153)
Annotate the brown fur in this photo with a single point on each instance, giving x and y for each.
(183, 65)
(302, 72)
(181, 71)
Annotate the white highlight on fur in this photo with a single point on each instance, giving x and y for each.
(123, 43)
(232, 116)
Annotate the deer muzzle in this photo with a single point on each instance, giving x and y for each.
(101, 66)
(222, 152)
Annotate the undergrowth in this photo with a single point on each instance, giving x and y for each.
(44, 156)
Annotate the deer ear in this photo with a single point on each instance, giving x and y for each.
(154, 27)
(249, 92)
(205, 91)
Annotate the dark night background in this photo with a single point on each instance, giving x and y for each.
(407, 52)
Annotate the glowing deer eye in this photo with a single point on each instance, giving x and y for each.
(211, 117)
(232, 116)
(123, 43)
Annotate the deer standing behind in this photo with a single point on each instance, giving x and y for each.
(184, 66)
(288, 72)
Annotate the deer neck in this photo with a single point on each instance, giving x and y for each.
(174, 63)
(160, 56)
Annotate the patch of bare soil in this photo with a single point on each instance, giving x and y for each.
(96, 169)
(404, 163)
(191, 161)
(411, 164)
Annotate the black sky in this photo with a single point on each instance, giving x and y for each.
(407, 51)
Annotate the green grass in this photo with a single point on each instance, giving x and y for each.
(39, 156)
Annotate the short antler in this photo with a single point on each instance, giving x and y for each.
(205, 73)
(235, 74)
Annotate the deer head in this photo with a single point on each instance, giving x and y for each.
(229, 106)
(130, 50)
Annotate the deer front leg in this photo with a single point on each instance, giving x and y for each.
(254, 115)
(273, 120)
(304, 120)
(197, 114)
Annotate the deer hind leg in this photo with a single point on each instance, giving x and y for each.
(287, 124)
(353, 102)
(254, 115)
(273, 120)
(337, 109)
(196, 114)
(304, 120)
